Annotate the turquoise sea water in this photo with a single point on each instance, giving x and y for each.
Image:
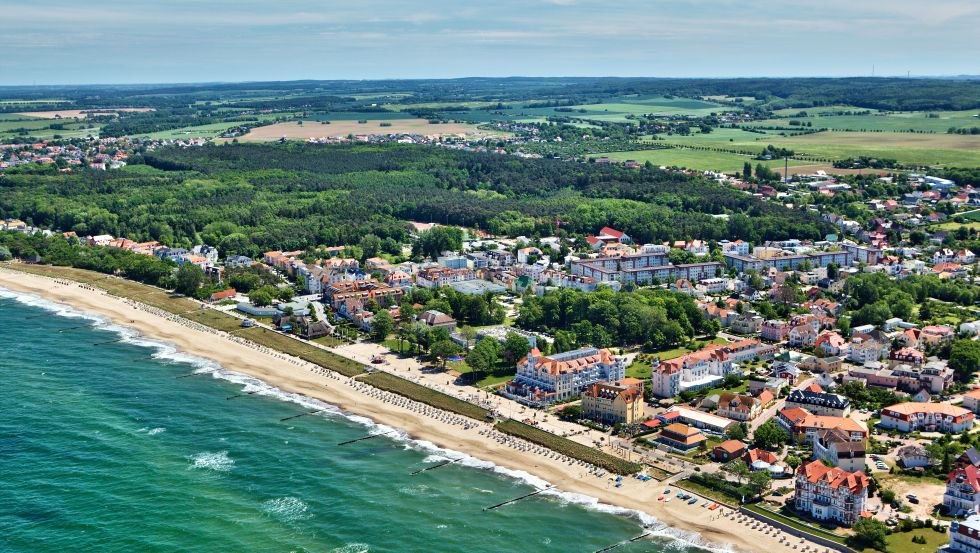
(103, 449)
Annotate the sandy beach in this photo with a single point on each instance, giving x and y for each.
(718, 528)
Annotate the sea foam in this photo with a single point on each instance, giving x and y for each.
(221, 462)
(287, 509)
(217, 461)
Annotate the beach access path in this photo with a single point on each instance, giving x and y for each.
(721, 527)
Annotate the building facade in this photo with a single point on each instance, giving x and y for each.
(830, 494)
(542, 380)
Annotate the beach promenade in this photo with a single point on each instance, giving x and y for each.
(721, 528)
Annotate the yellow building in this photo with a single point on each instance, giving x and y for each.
(614, 402)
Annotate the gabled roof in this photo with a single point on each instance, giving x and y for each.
(836, 477)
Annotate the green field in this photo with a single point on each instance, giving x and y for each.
(41, 128)
(697, 159)
(888, 121)
(908, 148)
(211, 130)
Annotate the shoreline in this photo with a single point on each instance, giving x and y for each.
(428, 427)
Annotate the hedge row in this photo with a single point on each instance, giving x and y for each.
(568, 447)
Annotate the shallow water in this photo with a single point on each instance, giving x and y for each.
(103, 449)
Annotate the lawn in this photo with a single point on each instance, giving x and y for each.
(501, 373)
(901, 542)
(707, 492)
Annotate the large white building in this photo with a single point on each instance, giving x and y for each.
(964, 536)
(930, 417)
(827, 493)
(704, 368)
(541, 380)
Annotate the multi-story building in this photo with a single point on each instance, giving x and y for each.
(803, 425)
(339, 293)
(962, 490)
(775, 331)
(934, 378)
(738, 407)
(705, 367)
(614, 402)
(744, 263)
(835, 446)
(649, 264)
(971, 400)
(541, 379)
(819, 402)
(830, 494)
(441, 276)
(964, 536)
(864, 348)
(930, 417)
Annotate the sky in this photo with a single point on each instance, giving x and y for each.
(165, 41)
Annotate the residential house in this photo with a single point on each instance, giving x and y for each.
(835, 446)
(802, 335)
(936, 334)
(864, 348)
(739, 407)
(728, 450)
(971, 400)
(962, 490)
(831, 343)
(775, 330)
(913, 456)
(436, 318)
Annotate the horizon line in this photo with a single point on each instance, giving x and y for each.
(963, 76)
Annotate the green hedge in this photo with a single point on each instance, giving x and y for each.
(428, 396)
(568, 447)
(291, 346)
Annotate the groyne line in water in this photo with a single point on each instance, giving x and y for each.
(367, 437)
(302, 415)
(243, 394)
(442, 464)
(515, 500)
(624, 542)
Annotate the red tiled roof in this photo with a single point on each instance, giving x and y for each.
(836, 477)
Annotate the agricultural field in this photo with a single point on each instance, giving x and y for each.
(929, 149)
(704, 160)
(910, 148)
(317, 129)
(43, 128)
(78, 113)
(937, 122)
